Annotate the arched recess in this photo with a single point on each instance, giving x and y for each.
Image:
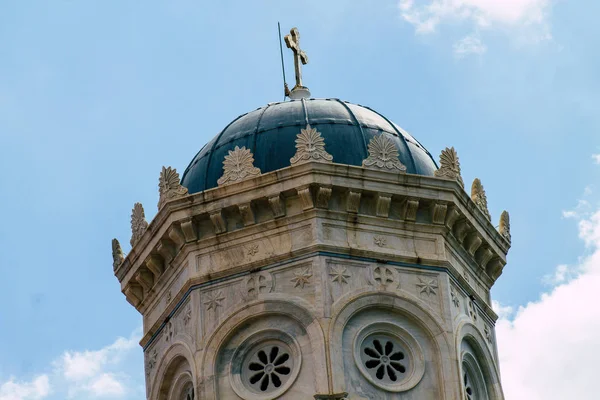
(175, 373)
(475, 357)
(183, 387)
(275, 306)
(399, 309)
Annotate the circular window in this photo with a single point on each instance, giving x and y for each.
(389, 357)
(189, 394)
(384, 358)
(472, 379)
(265, 365)
(268, 367)
(470, 388)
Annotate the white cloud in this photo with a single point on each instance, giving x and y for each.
(97, 374)
(502, 311)
(596, 158)
(106, 385)
(562, 274)
(37, 389)
(550, 350)
(89, 372)
(77, 366)
(469, 45)
(525, 20)
(582, 209)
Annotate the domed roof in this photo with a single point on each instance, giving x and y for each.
(270, 134)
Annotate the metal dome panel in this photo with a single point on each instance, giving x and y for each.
(270, 133)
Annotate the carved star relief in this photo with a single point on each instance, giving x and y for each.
(187, 315)
(252, 250)
(380, 241)
(472, 311)
(454, 297)
(428, 287)
(152, 357)
(488, 334)
(301, 278)
(338, 274)
(214, 300)
(169, 332)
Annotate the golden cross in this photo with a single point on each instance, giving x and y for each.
(292, 41)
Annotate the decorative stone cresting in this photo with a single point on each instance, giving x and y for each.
(237, 166)
(449, 166)
(383, 154)
(117, 254)
(310, 146)
(479, 198)
(504, 228)
(138, 223)
(168, 186)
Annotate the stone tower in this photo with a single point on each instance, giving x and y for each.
(314, 249)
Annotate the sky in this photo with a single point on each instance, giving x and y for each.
(96, 96)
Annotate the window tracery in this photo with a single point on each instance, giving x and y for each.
(265, 365)
(388, 357)
(472, 378)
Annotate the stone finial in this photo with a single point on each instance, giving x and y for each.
(383, 154)
(504, 228)
(138, 223)
(449, 166)
(117, 254)
(310, 145)
(169, 186)
(478, 196)
(237, 166)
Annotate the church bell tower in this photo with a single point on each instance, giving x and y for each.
(315, 250)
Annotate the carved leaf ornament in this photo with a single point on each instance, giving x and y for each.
(449, 166)
(479, 197)
(169, 186)
(383, 154)
(117, 254)
(138, 223)
(504, 228)
(237, 166)
(310, 145)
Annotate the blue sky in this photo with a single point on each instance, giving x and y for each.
(96, 96)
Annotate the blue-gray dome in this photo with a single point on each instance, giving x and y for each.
(270, 133)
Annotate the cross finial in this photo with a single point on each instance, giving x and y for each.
(292, 41)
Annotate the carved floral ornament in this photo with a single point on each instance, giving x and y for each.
(117, 254)
(504, 228)
(479, 197)
(237, 166)
(383, 154)
(310, 146)
(138, 223)
(449, 166)
(450, 169)
(168, 186)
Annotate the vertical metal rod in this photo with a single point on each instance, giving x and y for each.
(282, 63)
